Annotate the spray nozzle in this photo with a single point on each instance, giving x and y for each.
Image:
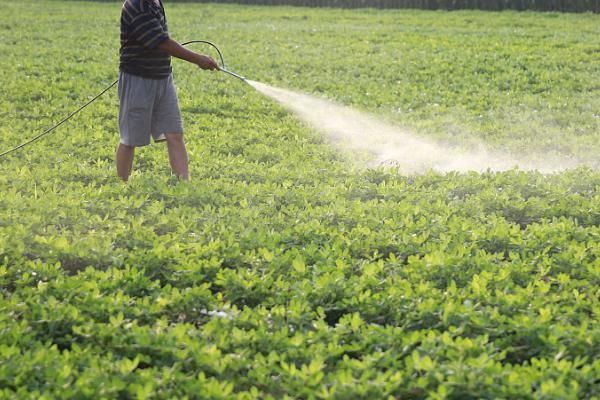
(224, 69)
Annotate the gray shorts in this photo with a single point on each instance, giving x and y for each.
(147, 107)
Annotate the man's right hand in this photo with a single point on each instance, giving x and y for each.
(205, 62)
(176, 50)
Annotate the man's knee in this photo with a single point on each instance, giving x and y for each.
(174, 138)
(125, 150)
(126, 146)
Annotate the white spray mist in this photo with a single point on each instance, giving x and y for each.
(386, 144)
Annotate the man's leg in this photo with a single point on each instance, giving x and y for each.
(124, 160)
(177, 155)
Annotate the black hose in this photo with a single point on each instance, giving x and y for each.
(47, 131)
(60, 123)
(210, 44)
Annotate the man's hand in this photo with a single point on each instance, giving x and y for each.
(205, 62)
(176, 50)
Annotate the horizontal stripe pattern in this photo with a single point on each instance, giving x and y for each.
(143, 28)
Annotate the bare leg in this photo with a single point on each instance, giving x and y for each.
(124, 160)
(177, 155)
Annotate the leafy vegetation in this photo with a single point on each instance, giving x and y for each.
(282, 270)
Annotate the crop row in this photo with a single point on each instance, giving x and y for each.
(384, 286)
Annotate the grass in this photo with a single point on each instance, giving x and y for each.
(281, 269)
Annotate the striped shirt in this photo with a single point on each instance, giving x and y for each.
(143, 28)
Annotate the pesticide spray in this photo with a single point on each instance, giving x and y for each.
(388, 145)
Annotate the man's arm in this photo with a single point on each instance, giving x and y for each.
(176, 50)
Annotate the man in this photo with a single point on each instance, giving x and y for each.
(148, 103)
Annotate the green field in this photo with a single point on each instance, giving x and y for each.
(282, 269)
